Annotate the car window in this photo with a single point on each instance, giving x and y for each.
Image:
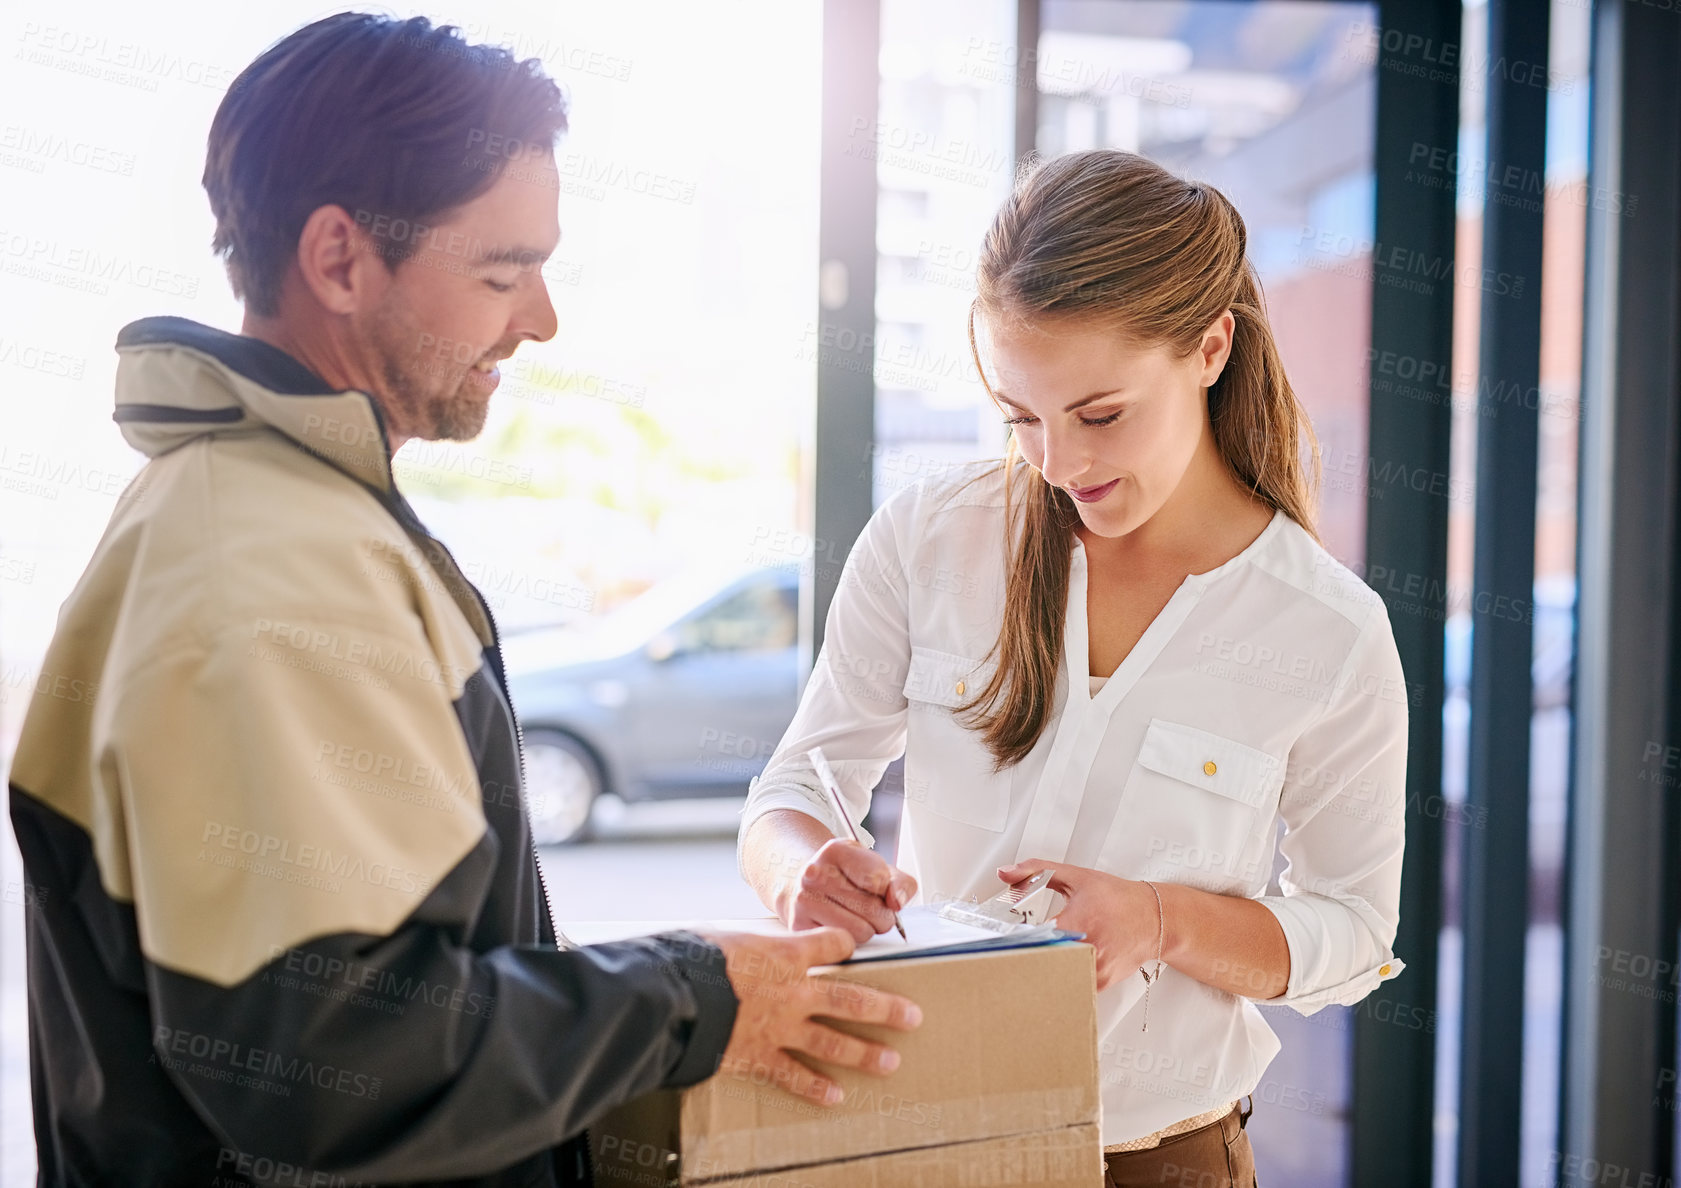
(762, 617)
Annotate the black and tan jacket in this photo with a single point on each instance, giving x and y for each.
(285, 923)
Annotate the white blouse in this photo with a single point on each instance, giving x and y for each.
(1268, 689)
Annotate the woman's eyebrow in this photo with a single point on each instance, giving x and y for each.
(1080, 403)
(1085, 400)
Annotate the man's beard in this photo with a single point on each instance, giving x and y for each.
(426, 396)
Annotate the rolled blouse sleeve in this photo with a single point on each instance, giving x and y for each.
(1344, 809)
(853, 704)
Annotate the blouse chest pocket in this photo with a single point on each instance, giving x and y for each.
(948, 769)
(1194, 809)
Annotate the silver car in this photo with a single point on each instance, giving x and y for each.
(682, 692)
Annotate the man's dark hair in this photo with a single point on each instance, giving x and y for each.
(396, 121)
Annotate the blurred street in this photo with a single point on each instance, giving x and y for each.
(667, 860)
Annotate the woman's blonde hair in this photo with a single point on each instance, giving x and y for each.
(1112, 239)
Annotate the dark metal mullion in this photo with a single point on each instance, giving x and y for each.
(1496, 856)
(1406, 534)
(1623, 888)
(842, 461)
(1028, 17)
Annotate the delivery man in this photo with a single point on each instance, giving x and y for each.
(288, 924)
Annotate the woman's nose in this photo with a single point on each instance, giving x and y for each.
(1064, 460)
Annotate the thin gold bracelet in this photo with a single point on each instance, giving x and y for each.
(1161, 931)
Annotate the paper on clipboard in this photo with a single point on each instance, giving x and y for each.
(930, 934)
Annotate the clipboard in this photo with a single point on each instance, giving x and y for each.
(931, 932)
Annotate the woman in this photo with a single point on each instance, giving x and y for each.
(1122, 654)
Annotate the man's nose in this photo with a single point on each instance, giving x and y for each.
(536, 318)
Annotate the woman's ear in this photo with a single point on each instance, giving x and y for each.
(1216, 347)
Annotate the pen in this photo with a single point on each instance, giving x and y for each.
(826, 774)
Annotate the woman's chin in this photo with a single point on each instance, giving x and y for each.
(1112, 517)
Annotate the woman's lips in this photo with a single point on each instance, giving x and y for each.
(1093, 494)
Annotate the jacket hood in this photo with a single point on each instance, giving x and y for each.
(178, 379)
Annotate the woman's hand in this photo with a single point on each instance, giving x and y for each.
(846, 885)
(1117, 915)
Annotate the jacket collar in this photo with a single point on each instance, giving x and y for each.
(178, 380)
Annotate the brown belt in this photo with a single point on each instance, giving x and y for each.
(1167, 1132)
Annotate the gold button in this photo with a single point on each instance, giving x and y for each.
(1209, 768)
(960, 688)
(1383, 970)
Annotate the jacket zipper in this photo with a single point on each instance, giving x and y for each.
(407, 517)
(585, 1158)
(519, 744)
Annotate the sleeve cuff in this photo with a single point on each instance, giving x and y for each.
(1314, 956)
(1343, 993)
(798, 798)
(701, 965)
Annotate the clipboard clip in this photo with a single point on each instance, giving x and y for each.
(1028, 902)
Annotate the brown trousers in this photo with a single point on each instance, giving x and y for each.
(1212, 1156)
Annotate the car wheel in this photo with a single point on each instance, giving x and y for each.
(562, 782)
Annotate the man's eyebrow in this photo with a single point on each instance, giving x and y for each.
(1080, 403)
(513, 255)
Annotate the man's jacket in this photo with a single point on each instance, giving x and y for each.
(285, 921)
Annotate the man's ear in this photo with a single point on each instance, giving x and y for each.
(339, 262)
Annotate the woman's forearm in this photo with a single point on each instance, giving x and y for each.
(1225, 941)
(776, 849)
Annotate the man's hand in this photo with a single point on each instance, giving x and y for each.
(848, 886)
(779, 1005)
(1118, 916)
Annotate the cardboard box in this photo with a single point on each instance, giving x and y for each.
(1065, 1158)
(1007, 1050)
